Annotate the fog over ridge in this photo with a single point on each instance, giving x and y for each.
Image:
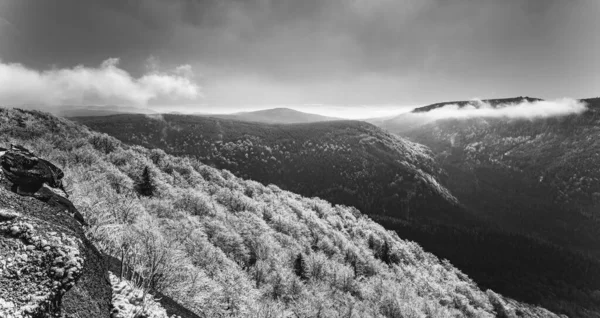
(522, 110)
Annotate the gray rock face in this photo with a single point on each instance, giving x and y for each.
(29, 173)
(48, 268)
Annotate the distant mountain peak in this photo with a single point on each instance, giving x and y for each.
(279, 115)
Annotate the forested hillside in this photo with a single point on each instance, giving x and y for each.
(539, 176)
(344, 162)
(536, 175)
(355, 164)
(224, 246)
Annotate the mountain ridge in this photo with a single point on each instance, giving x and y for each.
(227, 246)
(320, 152)
(533, 154)
(354, 163)
(494, 102)
(280, 115)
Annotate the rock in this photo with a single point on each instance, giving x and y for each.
(15, 230)
(28, 172)
(37, 230)
(30, 277)
(6, 304)
(58, 272)
(7, 214)
(29, 309)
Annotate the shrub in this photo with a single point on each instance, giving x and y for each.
(83, 156)
(194, 203)
(234, 201)
(103, 143)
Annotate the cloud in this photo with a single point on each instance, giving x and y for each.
(315, 51)
(106, 84)
(522, 110)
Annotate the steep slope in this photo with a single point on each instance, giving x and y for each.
(223, 246)
(276, 116)
(344, 162)
(129, 297)
(539, 175)
(361, 161)
(48, 266)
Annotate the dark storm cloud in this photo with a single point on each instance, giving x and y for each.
(323, 51)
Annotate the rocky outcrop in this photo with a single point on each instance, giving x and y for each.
(27, 172)
(48, 268)
(33, 176)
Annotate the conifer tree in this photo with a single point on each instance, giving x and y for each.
(357, 268)
(300, 267)
(385, 253)
(146, 186)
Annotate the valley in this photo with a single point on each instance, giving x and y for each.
(345, 162)
(537, 176)
(299, 159)
(510, 239)
(224, 246)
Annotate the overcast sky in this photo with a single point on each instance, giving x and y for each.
(223, 55)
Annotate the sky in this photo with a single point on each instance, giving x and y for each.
(344, 58)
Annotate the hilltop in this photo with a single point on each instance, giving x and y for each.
(274, 116)
(221, 245)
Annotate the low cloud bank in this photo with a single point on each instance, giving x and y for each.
(523, 110)
(106, 84)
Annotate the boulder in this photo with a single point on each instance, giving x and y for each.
(27, 172)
